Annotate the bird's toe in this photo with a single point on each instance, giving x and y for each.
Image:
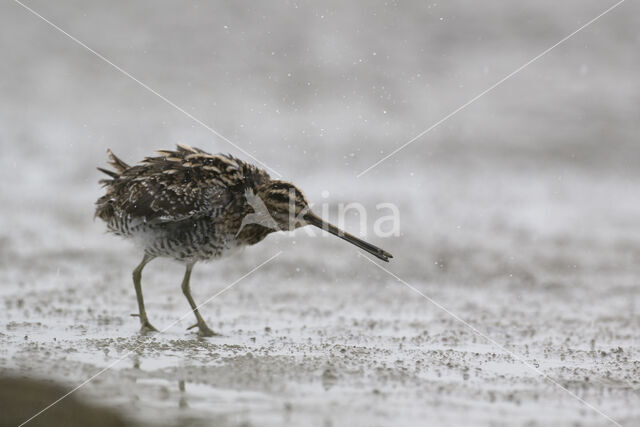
(204, 331)
(147, 327)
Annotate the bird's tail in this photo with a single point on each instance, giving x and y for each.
(116, 163)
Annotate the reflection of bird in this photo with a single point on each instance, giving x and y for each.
(193, 206)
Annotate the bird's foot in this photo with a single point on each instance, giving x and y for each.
(145, 326)
(203, 330)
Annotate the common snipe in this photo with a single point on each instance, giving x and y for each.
(194, 206)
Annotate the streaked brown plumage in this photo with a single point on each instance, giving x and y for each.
(193, 206)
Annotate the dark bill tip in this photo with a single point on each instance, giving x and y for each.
(368, 247)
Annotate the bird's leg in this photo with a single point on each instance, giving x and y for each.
(137, 275)
(186, 289)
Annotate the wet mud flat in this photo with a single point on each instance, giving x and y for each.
(320, 336)
(340, 342)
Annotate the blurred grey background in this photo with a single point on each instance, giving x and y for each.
(527, 198)
(308, 86)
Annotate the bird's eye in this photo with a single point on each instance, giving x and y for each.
(280, 197)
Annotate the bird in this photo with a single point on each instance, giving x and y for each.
(192, 206)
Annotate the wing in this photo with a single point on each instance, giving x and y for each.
(172, 198)
(179, 184)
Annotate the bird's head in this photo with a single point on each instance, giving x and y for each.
(285, 203)
(289, 209)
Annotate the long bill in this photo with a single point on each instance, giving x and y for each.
(315, 220)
